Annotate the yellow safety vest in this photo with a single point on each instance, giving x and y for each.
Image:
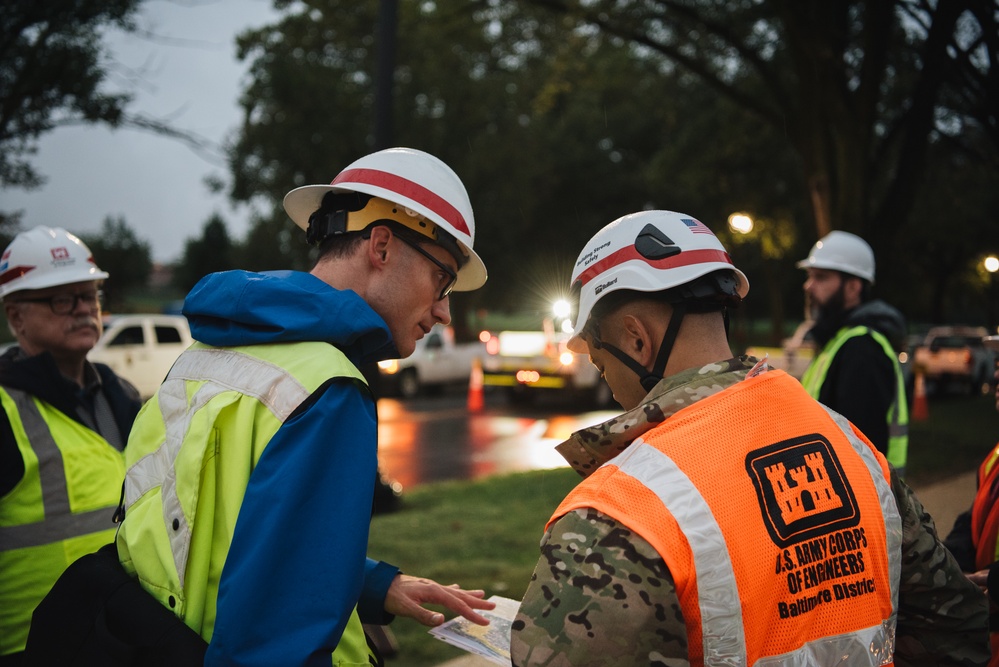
(898, 413)
(60, 510)
(215, 404)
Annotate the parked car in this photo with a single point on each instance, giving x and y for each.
(142, 348)
(955, 356)
(437, 361)
(528, 364)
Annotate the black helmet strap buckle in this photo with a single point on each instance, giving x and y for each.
(331, 216)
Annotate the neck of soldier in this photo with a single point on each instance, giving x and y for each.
(701, 341)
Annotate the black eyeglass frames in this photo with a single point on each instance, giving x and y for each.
(64, 304)
(452, 277)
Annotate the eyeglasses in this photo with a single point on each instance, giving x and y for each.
(447, 283)
(64, 304)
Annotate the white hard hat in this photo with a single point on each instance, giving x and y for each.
(841, 251)
(651, 251)
(410, 178)
(46, 257)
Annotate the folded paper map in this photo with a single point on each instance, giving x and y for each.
(492, 641)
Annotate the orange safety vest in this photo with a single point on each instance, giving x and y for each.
(985, 512)
(985, 526)
(777, 522)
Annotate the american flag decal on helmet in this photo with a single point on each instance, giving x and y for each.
(697, 227)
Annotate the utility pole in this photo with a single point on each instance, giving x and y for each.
(385, 73)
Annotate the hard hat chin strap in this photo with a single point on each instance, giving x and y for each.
(650, 379)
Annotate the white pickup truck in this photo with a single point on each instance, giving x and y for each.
(436, 362)
(955, 355)
(142, 348)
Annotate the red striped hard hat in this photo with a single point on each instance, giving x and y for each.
(410, 178)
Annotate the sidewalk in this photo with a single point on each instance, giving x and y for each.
(943, 500)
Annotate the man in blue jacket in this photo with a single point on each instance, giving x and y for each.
(251, 472)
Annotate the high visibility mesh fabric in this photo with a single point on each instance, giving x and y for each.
(794, 501)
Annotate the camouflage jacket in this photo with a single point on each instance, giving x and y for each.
(601, 595)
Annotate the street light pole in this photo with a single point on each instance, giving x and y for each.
(991, 264)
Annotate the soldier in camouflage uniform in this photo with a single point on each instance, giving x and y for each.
(601, 594)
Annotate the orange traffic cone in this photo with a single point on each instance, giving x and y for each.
(476, 400)
(920, 408)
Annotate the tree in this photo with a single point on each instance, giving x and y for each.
(856, 85)
(126, 258)
(554, 131)
(212, 251)
(52, 71)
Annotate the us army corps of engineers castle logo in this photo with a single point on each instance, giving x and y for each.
(813, 517)
(802, 490)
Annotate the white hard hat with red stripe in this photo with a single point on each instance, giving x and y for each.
(414, 180)
(45, 257)
(650, 251)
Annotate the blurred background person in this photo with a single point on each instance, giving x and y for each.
(974, 539)
(63, 426)
(856, 371)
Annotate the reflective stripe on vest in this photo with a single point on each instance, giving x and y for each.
(898, 412)
(985, 512)
(61, 508)
(194, 417)
(228, 370)
(60, 523)
(712, 584)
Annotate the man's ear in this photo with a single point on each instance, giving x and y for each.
(13, 312)
(852, 288)
(636, 339)
(378, 245)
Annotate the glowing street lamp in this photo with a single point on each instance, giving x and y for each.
(991, 264)
(741, 223)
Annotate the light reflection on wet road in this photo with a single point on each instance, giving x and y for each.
(436, 439)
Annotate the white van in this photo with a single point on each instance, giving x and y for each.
(142, 348)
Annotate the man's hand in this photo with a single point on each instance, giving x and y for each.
(407, 595)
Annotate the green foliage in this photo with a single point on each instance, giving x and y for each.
(212, 251)
(119, 252)
(485, 535)
(52, 70)
(562, 115)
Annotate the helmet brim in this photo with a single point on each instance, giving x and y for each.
(302, 202)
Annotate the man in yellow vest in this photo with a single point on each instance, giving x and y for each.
(251, 471)
(856, 371)
(727, 518)
(63, 425)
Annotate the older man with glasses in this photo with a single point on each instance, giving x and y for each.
(63, 427)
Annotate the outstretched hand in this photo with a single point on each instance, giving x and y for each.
(407, 595)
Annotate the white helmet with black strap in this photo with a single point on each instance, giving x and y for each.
(402, 185)
(670, 254)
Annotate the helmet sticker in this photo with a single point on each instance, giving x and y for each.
(696, 226)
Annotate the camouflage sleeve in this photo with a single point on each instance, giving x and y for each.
(600, 596)
(942, 617)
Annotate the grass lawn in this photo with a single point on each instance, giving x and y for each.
(485, 534)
